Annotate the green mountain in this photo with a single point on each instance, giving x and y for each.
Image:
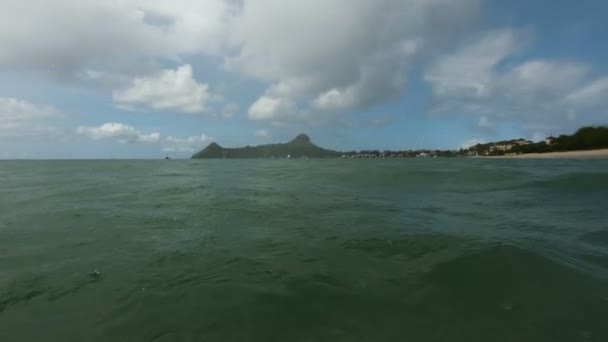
(299, 147)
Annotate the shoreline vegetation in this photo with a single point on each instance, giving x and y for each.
(587, 142)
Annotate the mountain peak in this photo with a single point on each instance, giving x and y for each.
(301, 138)
(300, 146)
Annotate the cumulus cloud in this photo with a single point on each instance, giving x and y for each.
(337, 55)
(19, 117)
(189, 144)
(262, 133)
(315, 56)
(483, 78)
(267, 108)
(121, 132)
(167, 90)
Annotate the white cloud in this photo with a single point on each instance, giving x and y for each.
(316, 55)
(471, 142)
(546, 78)
(123, 133)
(262, 133)
(65, 36)
(483, 78)
(470, 70)
(335, 99)
(190, 26)
(268, 108)
(19, 117)
(168, 90)
(189, 144)
(591, 95)
(338, 55)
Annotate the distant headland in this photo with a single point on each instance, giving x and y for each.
(578, 145)
(302, 147)
(299, 147)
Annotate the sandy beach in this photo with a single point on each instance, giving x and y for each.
(593, 154)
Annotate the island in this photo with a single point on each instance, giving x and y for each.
(299, 147)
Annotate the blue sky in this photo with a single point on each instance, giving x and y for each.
(141, 79)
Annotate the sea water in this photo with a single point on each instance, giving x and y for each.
(304, 250)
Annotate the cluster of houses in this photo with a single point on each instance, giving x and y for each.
(495, 148)
(503, 147)
(550, 140)
(399, 154)
(507, 145)
(379, 155)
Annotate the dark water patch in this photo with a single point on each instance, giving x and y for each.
(21, 292)
(577, 182)
(182, 280)
(412, 248)
(600, 260)
(310, 260)
(476, 297)
(173, 174)
(433, 209)
(513, 294)
(57, 294)
(599, 237)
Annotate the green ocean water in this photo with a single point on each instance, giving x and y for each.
(304, 250)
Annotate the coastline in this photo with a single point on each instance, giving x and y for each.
(587, 154)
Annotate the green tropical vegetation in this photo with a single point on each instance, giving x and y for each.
(585, 138)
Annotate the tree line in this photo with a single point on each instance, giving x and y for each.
(586, 138)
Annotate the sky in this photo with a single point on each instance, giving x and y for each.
(149, 78)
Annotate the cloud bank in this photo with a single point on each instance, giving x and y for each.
(484, 78)
(63, 37)
(311, 61)
(189, 144)
(337, 55)
(19, 117)
(118, 131)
